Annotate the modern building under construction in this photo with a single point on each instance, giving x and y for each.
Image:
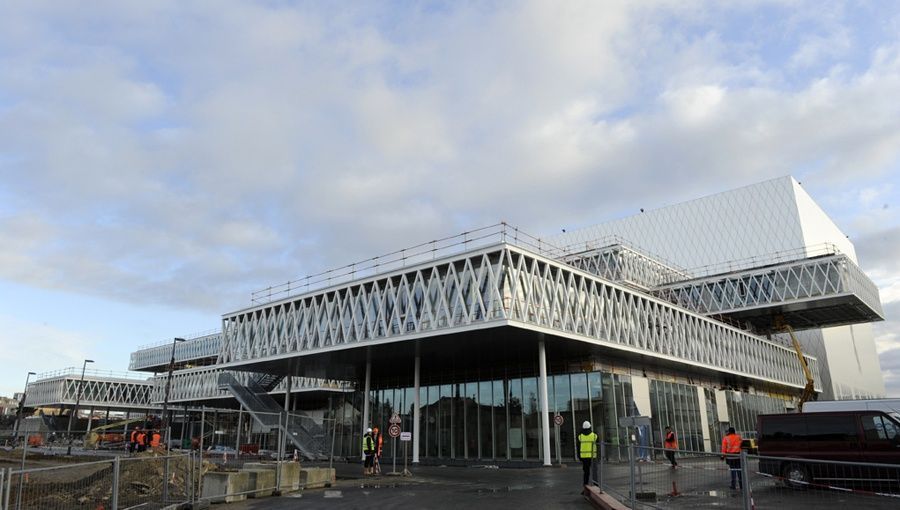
(482, 342)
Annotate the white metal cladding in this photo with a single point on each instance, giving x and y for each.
(203, 383)
(797, 281)
(502, 284)
(95, 391)
(194, 349)
(627, 266)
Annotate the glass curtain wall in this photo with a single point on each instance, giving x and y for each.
(493, 419)
(677, 406)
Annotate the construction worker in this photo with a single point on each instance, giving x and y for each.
(671, 444)
(587, 449)
(379, 444)
(142, 440)
(133, 439)
(155, 438)
(368, 447)
(731, 451)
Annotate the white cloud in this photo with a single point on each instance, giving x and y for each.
(190, 162)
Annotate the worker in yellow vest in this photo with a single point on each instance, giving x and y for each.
(587, 449)
(368, 448)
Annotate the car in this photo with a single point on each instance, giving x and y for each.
(221, 450)
(831, 447)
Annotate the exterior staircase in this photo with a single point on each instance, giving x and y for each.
(305, 434)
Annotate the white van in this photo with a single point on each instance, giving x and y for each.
(885, 405)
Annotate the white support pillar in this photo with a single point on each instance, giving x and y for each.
(365, 416)
(545, 403)
(237, 440)
(415, 434)
(704, 420)
(90, 420)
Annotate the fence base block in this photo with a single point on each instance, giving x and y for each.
(223, 486)
(260, 482)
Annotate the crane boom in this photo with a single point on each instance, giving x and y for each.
(809, 390)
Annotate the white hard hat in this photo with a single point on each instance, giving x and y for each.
(586, 425)
(369, 430)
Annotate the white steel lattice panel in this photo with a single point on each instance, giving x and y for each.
(804, 280)
(159, 356)
(96, 392)
(203, 383)
(621, 264)
(503, 285)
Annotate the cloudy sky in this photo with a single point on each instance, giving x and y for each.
(161, 160)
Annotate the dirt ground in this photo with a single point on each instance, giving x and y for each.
(56, 481)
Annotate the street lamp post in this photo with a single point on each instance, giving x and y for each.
(77, 401)
(22, 406)
(165, 417)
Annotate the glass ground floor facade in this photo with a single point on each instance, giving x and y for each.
(498, 418)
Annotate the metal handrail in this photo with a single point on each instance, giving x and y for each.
(76, 371)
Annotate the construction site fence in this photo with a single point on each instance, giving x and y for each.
(151, 481)
(645, 477)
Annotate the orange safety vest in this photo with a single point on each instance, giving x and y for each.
(731, 443)
(142, 439)
(671, 442)
(154, 440)
(134, 436)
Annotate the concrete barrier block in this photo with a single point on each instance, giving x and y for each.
(290, 476)
(316, 478)
(260, 482)
(224, 486)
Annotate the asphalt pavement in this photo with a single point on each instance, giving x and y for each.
(698, 483)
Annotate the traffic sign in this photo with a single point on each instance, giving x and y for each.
(559, 420)
(395, 418)
(406, 436)
(394, 430)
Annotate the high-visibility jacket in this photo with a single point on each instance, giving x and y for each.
(587, 445)
(155, 439)
(368, 445)
(142, 439)
(134, 434)
(731, 443)
(671, 442)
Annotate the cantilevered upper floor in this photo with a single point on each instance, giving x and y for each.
(499, 285)
(200, 350)
(817, 288)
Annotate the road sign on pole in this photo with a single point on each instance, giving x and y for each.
(395, 418)
(406, 436)
(394, 430)
(559, 420)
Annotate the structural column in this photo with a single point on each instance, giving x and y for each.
(415, 434)
(365, 417)
(545, 405)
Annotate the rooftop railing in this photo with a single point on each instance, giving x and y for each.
(432, 250)
(189, 337)
(76, 372)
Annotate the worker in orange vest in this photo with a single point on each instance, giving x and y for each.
(154, 439)
(731, 451)
(671, 444)
(142, 441)
(133, 439)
